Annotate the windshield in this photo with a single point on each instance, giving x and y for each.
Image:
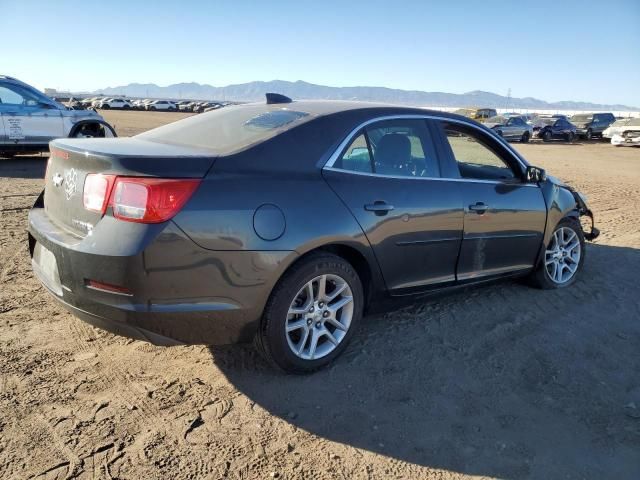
(547, 121)
(581, 118)
(230, 129)
(498, 119)
(632, 122)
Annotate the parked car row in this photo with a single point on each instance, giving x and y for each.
(199, 107)
(523, 127)
(120, 103)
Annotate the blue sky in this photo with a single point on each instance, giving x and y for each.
(549, 50)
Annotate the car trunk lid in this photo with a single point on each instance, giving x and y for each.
(72, 160)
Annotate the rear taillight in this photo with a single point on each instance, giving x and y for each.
(96, 192)
(150, 200)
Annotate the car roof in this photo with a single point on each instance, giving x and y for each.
(320, 108)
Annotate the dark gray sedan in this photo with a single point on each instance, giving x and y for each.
(285, 222)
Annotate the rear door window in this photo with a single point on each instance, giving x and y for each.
(356, 157)
(402, 148)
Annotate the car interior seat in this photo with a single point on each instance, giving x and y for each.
(393, 154)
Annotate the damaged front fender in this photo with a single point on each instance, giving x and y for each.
(564, 201)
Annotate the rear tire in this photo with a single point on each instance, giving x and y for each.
(546, 276)
(589, 134)
(525, 137)
(294, 319)
(106, 106)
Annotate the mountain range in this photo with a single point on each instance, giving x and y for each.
(254, 91)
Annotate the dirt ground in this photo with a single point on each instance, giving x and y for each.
(500, 382)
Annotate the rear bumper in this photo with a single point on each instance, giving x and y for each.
(180, 292)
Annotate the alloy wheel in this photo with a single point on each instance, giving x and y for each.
(319, 317)
(562, 257)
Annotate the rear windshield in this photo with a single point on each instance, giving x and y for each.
(229, 129)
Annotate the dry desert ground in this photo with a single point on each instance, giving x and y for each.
(503, 381)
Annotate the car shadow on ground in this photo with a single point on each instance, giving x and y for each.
(504, 381)
(23, 166)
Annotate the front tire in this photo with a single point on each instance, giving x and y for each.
(525, 137)
(311, 315)
(570, 137)
(563, 257)
(589, 134)
(546, 136)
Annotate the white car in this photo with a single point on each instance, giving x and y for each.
(29, 120)
(162, 105)
(139, 104)
(624, 132)
(115, 103)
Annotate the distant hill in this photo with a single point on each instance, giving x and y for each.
(254, 91)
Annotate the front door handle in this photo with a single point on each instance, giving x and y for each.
(379, 207)
(479, 208)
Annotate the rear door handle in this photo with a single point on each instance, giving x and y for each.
(479, 208)
(379, 207)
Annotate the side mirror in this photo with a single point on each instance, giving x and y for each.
(535, 174)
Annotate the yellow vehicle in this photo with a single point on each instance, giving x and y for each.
(479, 114)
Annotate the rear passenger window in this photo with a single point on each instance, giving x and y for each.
(402, 148)
(356, 157)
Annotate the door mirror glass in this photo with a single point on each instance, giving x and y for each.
(536, 174)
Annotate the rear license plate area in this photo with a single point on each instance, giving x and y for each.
(46, 267)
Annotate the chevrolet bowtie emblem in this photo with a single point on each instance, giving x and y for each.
(57, 180)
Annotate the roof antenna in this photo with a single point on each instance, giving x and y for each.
(277, 98)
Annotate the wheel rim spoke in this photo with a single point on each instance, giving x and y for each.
(330, 337)
(337, 291)
(336, 324)
(297, 325)
(303, 341)
(314, 343)
(340, 303)
(310, 297)
(322, 287)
